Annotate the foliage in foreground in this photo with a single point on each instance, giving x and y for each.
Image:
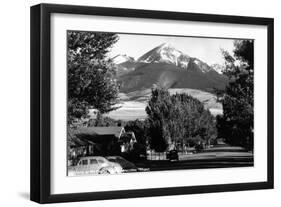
(174, 119)
(91, 82)
(236, 123)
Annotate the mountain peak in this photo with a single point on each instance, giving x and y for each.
(121, 58)
(166, 66)
(166, 53)
(166, 45)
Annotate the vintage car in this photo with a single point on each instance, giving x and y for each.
(125, 164)
(172, 155)
(94, 165)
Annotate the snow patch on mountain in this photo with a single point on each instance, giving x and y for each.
(166, 53)
(118, 59)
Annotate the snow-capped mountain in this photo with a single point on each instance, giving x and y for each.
(170, 68)
(166, 53)
(167, 67)
(118, 59)
(124, 64)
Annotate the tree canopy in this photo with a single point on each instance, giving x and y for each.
(236, 124)
(139, 128)
(91, 82)
(174, 119)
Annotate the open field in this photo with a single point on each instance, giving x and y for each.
(132, 105)
(129, 110)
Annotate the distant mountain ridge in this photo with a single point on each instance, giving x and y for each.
(121, 58)
(219, 68)
(167, 67)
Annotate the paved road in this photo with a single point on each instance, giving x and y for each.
(197, 163)
(216, 157)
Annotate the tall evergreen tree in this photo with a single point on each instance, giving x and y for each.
(91, 82)
(236, 124)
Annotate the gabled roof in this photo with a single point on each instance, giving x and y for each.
(116, 131)
(91, 135)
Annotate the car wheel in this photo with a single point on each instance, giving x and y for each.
(104, 171)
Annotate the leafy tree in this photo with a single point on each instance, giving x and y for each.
(103, 121)
(91, 82)
(174, 119)
(192, 119)
(236, 124)
(158, 112)
(139, 128)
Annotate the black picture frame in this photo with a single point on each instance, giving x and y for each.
(40, 102)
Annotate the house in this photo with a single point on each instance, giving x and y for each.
(102, 141)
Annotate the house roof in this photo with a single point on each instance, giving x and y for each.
(116, 131)
(89, 135)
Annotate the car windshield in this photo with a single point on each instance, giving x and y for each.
(93, 161)
(100, 160)
(112, 159)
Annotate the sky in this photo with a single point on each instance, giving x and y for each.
(205, 49)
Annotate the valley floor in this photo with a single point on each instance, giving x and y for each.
(132, 105)
(131, 110)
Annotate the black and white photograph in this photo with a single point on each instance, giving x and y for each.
(134, 103)
(143, 102)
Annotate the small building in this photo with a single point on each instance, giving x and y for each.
(101, 141)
